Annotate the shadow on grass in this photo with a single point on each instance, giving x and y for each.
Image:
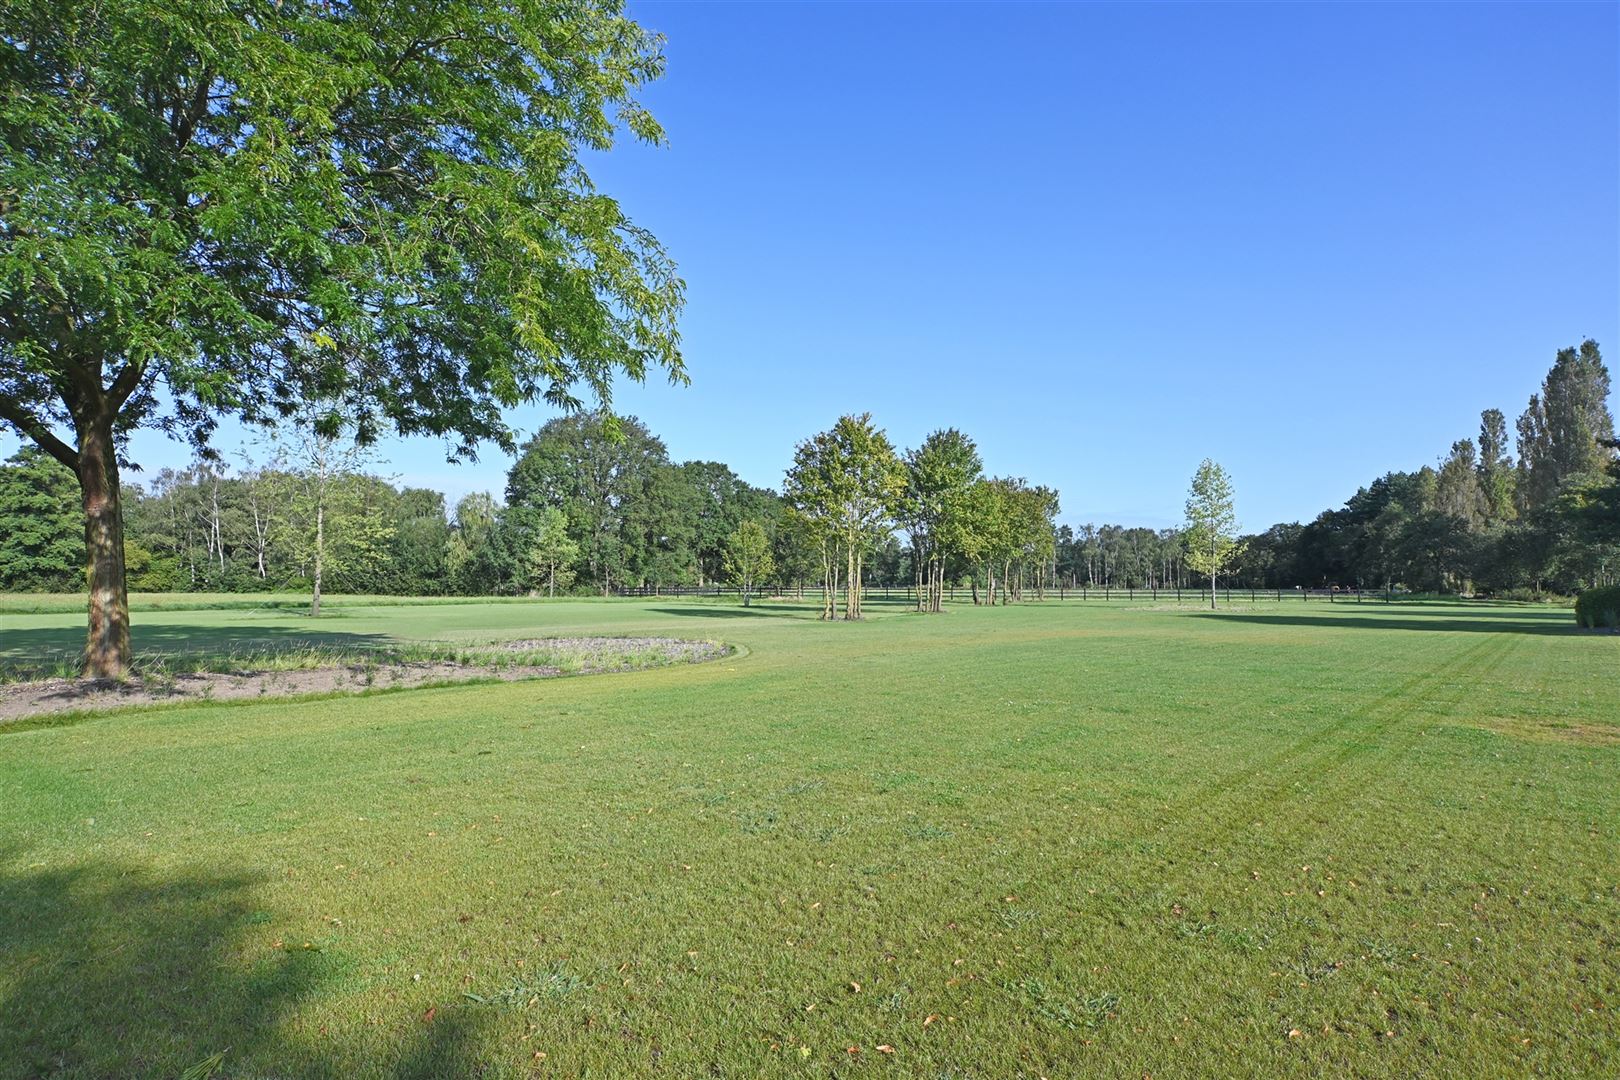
(1451, 622)
(780, 609)
(39, 652)
(114, 970)
(774, 611)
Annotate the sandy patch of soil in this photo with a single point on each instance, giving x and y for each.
(582, 656)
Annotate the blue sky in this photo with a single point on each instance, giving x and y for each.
(1310, 241)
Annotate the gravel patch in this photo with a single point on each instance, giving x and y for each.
(506, 661)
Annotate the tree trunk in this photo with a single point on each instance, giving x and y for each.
(320, 557)
(860, 582)
(849, 584)
(106, 649)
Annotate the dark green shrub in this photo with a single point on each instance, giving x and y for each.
(1599, 607)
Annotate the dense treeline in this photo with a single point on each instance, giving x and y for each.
(1483, 519)
(590, 509)
(630, 517)
(586, 509)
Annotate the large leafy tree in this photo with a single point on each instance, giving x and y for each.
(940, 475)
(216, 207)
(718, 501)
(480, 560)
(416, 565)
(1036, 510)
(846, 483)
(990, 538)
(617, 488)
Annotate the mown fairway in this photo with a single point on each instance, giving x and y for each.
(1040, 841)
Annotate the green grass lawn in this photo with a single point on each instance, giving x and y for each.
(1286, 839)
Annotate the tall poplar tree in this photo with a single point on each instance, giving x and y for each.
(1564, 432)
(1495, 466)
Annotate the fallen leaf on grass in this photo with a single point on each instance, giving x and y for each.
(432, 1011)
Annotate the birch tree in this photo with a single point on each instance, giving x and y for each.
(315, 478)
(1212, 526)
(748, 557)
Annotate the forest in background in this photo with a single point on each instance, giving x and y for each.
(584, 511)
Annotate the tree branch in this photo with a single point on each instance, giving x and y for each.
(30, 425)
(126, 382)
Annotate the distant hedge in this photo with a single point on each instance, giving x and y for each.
(1599, 607)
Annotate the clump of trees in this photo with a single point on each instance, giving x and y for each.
(848, 489)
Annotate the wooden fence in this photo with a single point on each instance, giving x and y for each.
(1083, 593)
